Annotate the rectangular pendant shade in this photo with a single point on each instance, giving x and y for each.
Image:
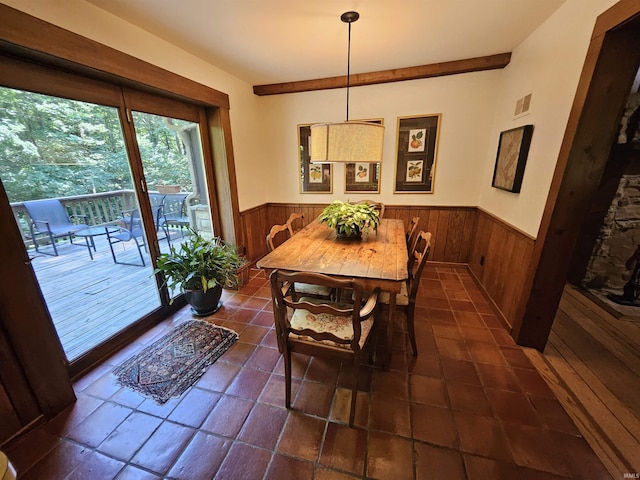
(346, 142)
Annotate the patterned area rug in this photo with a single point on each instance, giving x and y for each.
(173, 363)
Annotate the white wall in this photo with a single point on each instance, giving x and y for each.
(548, 64)
(91, 22)
(466, 103)
(475, 108)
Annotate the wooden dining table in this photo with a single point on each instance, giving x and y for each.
(378, 259)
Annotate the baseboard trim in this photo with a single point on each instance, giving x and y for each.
(493, 304)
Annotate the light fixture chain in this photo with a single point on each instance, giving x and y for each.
(348, 69)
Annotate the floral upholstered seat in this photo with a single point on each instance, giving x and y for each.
(341, 327)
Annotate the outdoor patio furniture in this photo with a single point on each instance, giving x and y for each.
(157, 207)
(157, 202)
(49, 218)
(174, 212)
(89, 234)
(129, 228)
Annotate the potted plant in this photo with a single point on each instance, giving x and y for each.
(350, 220)
(168, 188)
(201, 268)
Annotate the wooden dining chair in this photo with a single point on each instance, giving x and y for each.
(406, 299)
(293, 224)
(412, 232)
(321, 329)
(378, 205)
(275, 237)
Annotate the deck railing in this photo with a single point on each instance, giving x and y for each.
(99, 208)
(106, 208)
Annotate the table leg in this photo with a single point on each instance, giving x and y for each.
(89, 245)
(113, 254)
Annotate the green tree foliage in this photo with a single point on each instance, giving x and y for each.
(163, 154)
(53, 147)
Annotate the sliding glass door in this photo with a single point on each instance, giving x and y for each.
(101, 180)
(65, 168)
(171, 153)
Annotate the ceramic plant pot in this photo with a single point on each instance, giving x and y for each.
(204, 303)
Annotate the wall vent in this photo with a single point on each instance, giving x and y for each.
(522, 105)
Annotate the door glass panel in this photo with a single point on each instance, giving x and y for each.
(171, 153)
(64, 166)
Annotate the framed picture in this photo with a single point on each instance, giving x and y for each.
(513, 149)
(314, 177)
(363, 177)
(416, 152)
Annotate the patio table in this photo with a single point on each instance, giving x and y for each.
(91, 232)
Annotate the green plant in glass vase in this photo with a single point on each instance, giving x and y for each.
(350, 220)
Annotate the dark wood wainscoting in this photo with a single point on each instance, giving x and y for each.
(452, 227)
(499, 259)
(256, 223)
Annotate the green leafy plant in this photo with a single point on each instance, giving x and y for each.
(350, 219)
(200, 264)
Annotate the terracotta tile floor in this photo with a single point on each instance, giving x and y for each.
(470, 406)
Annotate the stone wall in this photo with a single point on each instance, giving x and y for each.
(618, 235)
(618, 240)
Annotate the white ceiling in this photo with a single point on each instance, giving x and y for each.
(274, 41)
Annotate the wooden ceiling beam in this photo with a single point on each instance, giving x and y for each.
(477, 64)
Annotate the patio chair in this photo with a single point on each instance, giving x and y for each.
(50, 218)
(157, 201)
(129, 228)
(157, 207)
(274, 238)
(174, 213)
(321, 329)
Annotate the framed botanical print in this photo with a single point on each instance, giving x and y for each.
(416, 152)
(363, 177)
(511, 159)
(314, 177)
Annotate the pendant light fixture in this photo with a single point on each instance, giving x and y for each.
(347, 141)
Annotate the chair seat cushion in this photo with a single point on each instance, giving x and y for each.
(402, 298)
(341, 327)
(310, 289)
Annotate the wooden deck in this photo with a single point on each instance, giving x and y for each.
(592, 362)
(91, 300)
